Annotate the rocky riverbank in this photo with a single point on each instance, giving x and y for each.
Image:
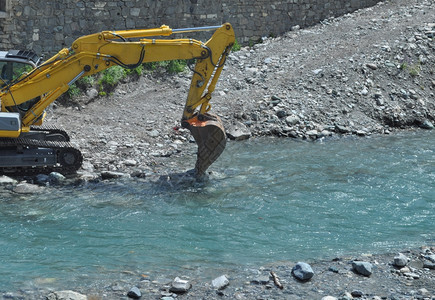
(409, 274)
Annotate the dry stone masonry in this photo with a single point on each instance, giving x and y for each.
(47, 26)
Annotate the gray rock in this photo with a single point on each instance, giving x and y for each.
(261, 280)
(130, 162)
(112, 175)
(427, 125)
(91, 93)
(362, 267)
(220, 283)
(66, 295)
(180, 286)
(42, 179)
(154, 133)
(292, 120)
(430, 257)
(302, 271)
(429, 265)
(238, 131)
(56, 178)
(134, 293)
(357, 294)
(27, 188)
(5, 180)
(281, 114)
(342, 129)
(372, 66)
(400, 260)
(412, 275)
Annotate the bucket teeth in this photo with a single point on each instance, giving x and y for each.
(209, 135)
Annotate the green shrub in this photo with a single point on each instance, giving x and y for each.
(236, 46)
(73, 91)
(112, 76)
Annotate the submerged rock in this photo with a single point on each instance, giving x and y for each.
(27, 188)
(113, 175)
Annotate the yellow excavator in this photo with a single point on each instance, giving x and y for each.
(29, 85)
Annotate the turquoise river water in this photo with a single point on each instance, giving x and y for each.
(269, 200)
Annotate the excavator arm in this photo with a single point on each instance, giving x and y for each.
(127, 48)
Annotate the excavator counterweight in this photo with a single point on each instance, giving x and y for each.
(28, 86)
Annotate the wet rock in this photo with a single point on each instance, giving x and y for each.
(427, 125)
(41, 179)
(302, 271)
(238, 131)
(5, 180)
(180, 286)
(134, 293)
(66, 295)
(27, 188)
(220, 283)
(400, 260)
(362, 267)
(56, 178)
(112, 175)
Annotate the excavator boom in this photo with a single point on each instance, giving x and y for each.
(25, 96)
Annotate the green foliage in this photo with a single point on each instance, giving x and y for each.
(236, 46)
(112, 76)
(87, 81)
(74, 91)
(413, 69)
(136, 71)
(169, 66)
(107, 80)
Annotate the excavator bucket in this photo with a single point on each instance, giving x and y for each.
(209, 134)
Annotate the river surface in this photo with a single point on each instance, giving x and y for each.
(268, 200)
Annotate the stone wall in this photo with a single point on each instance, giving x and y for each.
(47, 26)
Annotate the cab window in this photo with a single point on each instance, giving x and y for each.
(12, 70)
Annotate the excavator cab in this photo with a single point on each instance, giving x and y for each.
(15, 63)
